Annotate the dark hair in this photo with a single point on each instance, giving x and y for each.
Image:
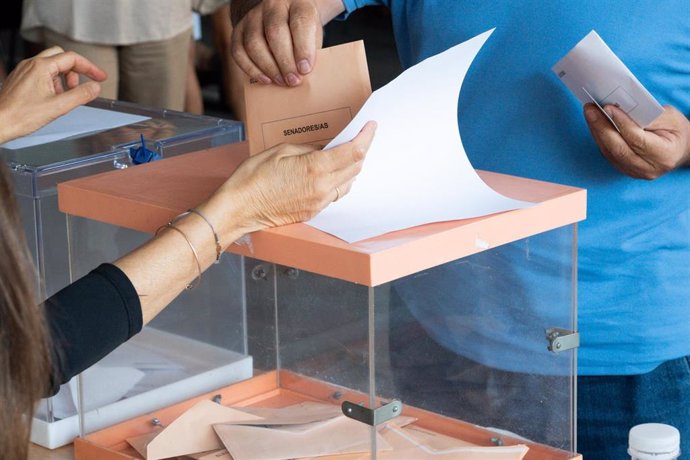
(24, 358)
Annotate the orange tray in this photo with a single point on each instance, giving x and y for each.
(279, 389)
(145, 197)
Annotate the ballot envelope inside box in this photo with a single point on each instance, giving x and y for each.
(101, 137)
(468, 327)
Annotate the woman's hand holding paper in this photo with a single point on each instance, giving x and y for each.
(43, 88)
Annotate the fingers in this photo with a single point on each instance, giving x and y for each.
(305, 26)
(72, 79)
(277, 41)
(346, 187)
(67, 62)
(351, 152)
(52, 51)
(337, 168)
(79, 95)
(617, 147)
(251, 52)
(279, 37)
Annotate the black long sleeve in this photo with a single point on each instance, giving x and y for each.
(90, 318)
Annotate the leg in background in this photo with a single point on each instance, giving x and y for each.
(233, 77)
(193, 102)
(154, 73)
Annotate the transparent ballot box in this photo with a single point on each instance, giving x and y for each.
(449, 338)
(36, 170)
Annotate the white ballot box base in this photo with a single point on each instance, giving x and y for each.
(192, 368)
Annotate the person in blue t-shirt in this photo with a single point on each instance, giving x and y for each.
(517, 118)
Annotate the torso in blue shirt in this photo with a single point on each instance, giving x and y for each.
(516, 117)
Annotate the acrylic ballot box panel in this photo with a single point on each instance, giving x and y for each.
(463, 329)
(37, 170)
(197, 344)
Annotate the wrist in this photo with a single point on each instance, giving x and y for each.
(230, 215)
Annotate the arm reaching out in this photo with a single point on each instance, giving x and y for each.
(283, 185)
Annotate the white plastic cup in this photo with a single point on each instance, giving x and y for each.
(654, 441)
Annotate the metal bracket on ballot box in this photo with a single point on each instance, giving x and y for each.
(562, 339)
(373, 417)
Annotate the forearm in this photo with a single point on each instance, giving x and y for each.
(94, 315)
(162, 268)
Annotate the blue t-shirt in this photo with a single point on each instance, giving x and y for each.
(516, 117)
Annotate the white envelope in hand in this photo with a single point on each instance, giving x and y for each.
(595, 74)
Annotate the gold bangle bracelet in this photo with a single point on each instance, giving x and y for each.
(191, 246)
(219, 248)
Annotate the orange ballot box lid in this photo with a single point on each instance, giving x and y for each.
(145, 197)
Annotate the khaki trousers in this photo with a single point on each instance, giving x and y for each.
(151, 74)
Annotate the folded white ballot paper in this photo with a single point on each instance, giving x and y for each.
(81, 120)
(416, 171)
(595, 74)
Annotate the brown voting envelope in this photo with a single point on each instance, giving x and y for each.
(296, 414)
(221, 454)
(413, 442)
(190, 433)
(337, 435)
(317, 110)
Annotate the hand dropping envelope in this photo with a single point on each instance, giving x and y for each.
(416, 171)
(595, 74)
(190, 433)
(317, 110)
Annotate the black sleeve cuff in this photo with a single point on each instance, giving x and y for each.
(90, 318)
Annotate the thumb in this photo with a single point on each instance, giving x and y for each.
(629, 129)
(52, 51)
(79, 95)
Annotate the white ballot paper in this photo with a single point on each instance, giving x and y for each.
(81, 120)
(595, 74)
(416, 171)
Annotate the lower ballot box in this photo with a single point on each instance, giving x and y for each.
(465, 329)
